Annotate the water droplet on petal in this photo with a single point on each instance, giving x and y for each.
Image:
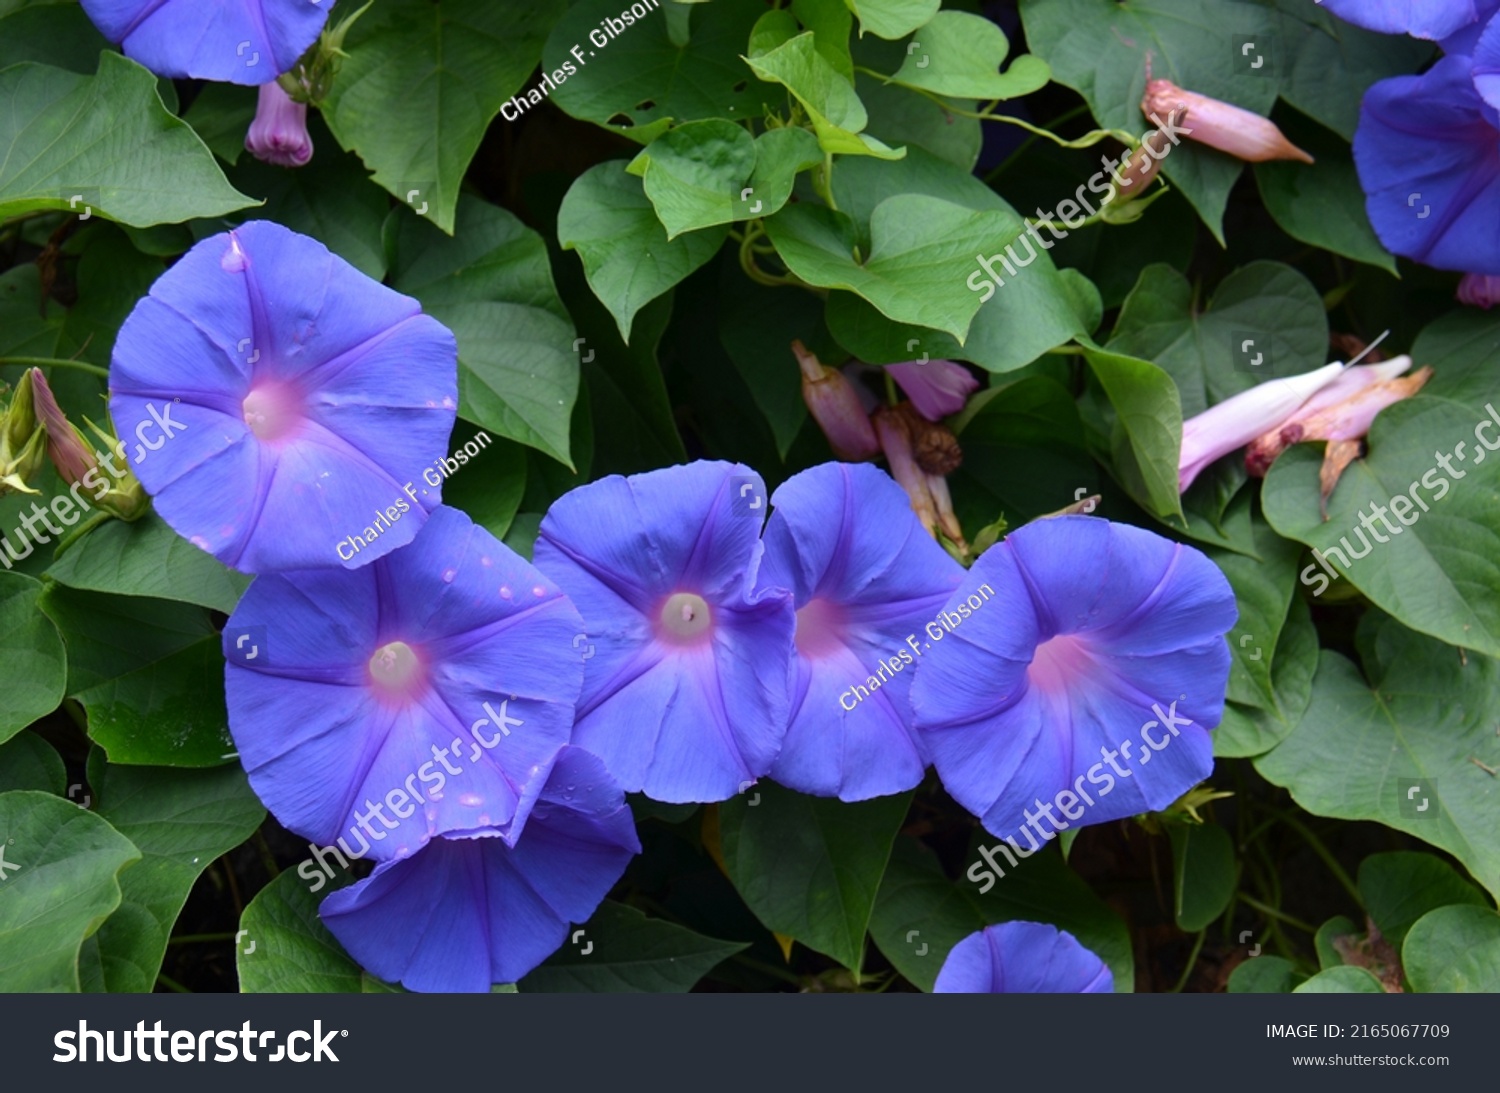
(234, 260)
(538, 591)
(505, 592)
(448, 575)
(470, 800)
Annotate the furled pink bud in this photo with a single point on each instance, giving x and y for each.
(279, 132)
(1479, 290)
(66, 447)
(895, 441)
(1265, 448)
(936, 388)
(835, 406)
(1238, 420)
(1220, 125)
(77, 462)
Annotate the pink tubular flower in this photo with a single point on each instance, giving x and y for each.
(1479, 290)
(1238, 420)
(936, 388)
(1241, 133)
(1266, 447)
(835, 406)
(279, 132)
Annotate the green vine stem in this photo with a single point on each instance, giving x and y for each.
(1088, 140)
(52, 362)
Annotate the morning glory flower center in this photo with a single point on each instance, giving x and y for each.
(1058, 663)
(685, 619)
(819, 628)
(271, 411)
(396, 669)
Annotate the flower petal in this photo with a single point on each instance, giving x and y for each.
(321, 398)
(844, 538)
(680, 722)
(1428, 154)
(1022, 958)
(468, 912)
(1095, 666)
(322, 744)
(229, 41)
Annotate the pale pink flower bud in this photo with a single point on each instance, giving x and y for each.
(1241, 133)
(1479, 290)
(279, 132)
(1266, 447)
(895, 441)
(936, 388)
(835, 406)
(1238, 420)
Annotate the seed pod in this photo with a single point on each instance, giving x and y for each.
(933, 446)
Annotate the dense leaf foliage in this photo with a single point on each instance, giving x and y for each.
(600, 240)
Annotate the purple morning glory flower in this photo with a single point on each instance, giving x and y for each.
(1081, 667)
(480, 908)
(229, 41)
(685, 693)
(1434, 20)
(433, 683)
(867, 579)
(1023, 958)
(1428, 154)
(289, 402)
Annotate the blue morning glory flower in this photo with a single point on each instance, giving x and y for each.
(1022, 958)
(1487, 67)
(230, 41)
(867, 579)
(374, 708)
(227, 41)
(293, 403)
(1080, 669)
(685, 692)
(1428, 153)
(1434, 20)
(478, 908)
